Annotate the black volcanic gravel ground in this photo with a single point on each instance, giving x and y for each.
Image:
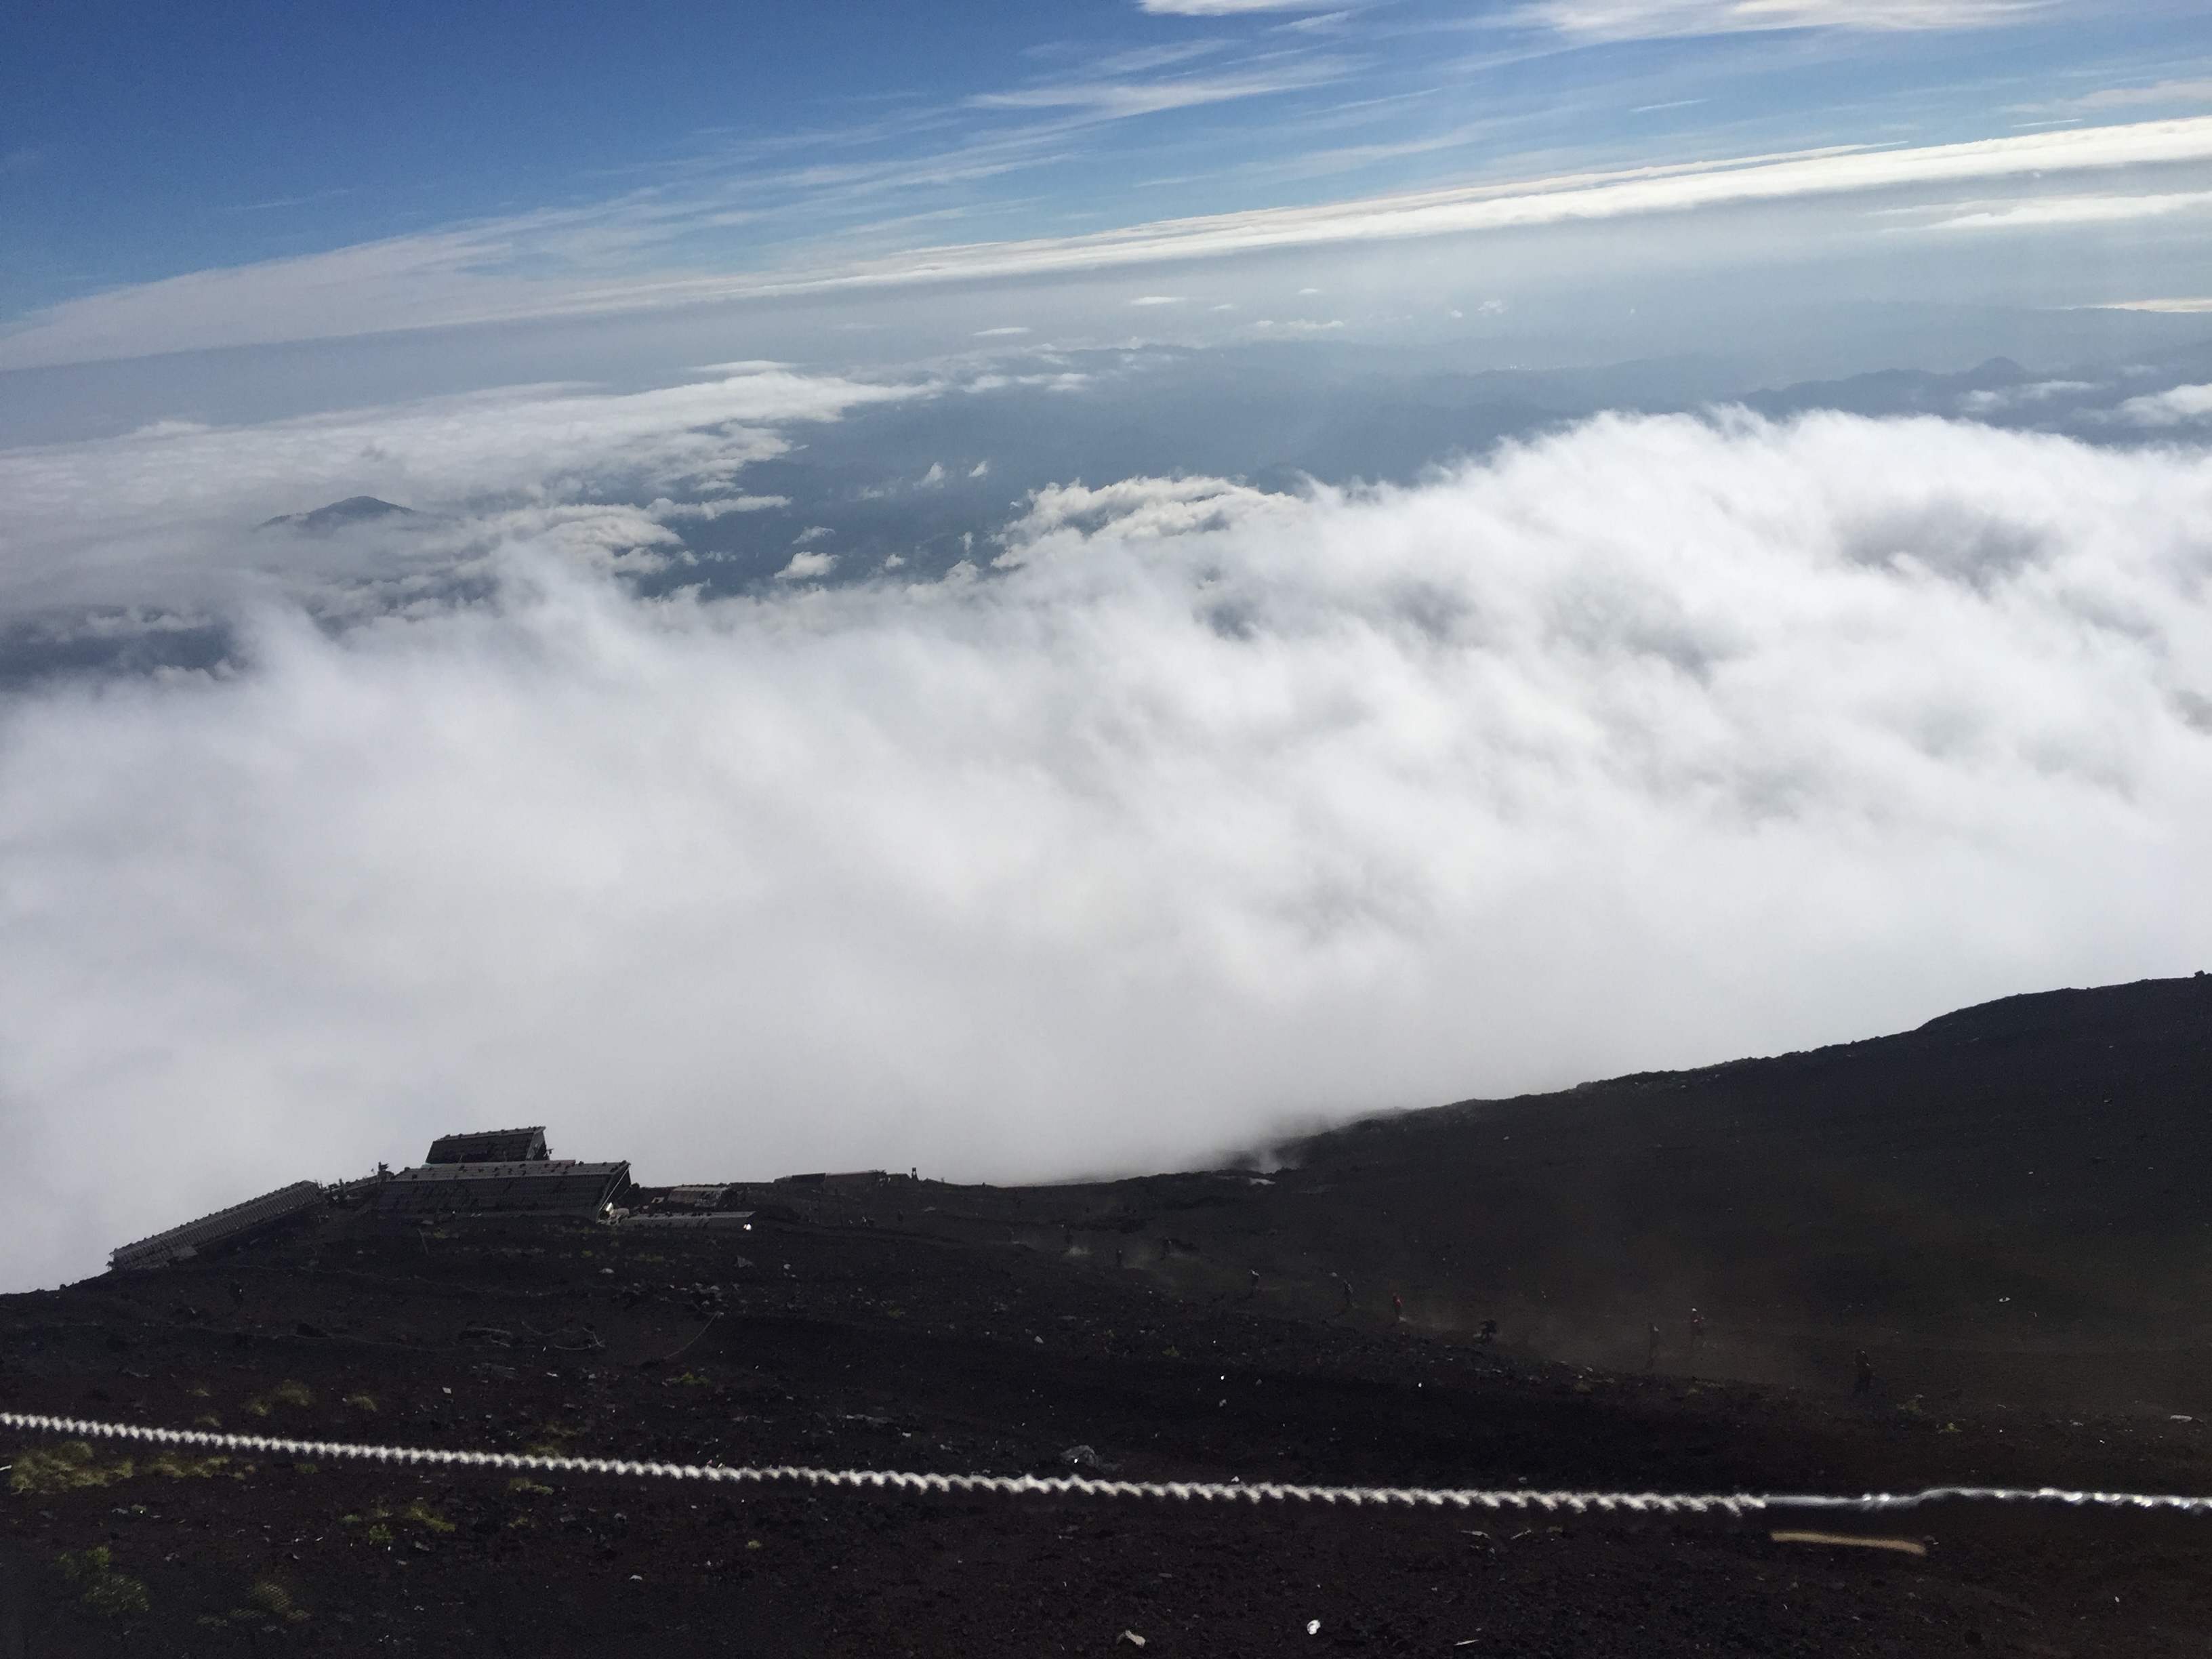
(856, 1346)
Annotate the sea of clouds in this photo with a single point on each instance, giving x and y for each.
(1178, 813)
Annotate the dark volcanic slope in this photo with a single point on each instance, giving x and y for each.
(848, 1347)
(2011, 1201)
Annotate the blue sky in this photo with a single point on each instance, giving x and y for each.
(577, 145)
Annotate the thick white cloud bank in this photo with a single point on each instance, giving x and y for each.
(1653, 743)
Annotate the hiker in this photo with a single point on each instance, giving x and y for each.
(1344, 1285)
(1488, 1332)
(1254, 1290)
(1864, 1382)
(1397, 1307)
(1651, 1356)
(1697, 1330)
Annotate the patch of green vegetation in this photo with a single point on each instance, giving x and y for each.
(175, 1466)
(692, 1380)
(207, 1420)
(270, 1600)
(422, 1514)
(71, 1465)
(523, 1483)
(359, 1402)
(378, 1533)
(65, 1467)
(307, 1469)
(284, 1394)
(92, 1576)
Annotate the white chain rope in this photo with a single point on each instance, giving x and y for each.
(1257, 1491)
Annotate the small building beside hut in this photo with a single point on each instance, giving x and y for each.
(231, 1226)
(526, 1145)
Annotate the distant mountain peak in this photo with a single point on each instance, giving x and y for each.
(338, 515)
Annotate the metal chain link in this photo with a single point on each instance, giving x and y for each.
(1257, 1491)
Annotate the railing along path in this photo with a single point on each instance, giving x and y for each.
(1233, 1491)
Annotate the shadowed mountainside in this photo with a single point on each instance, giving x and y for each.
(2009, 1201)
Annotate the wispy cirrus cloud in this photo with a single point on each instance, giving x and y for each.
(2111, 98)
(1118, 99)
(1645, 19)
(283, 202)
(474, 275)
(1135, 60)
(2051, 211)
(1227, 8)
(1567, 199)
